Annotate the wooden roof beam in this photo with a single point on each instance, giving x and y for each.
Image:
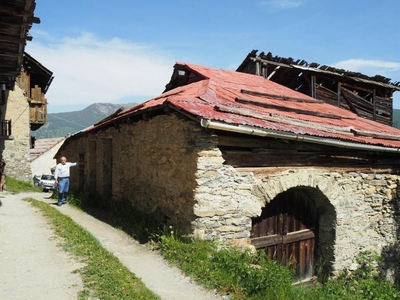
(15, 11)
(13, 21)
(11, 39)
(10, 73)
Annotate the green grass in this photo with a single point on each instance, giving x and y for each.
(103, 275)
(16, 186)
(231, 271)
(246, 275)
(241, 274)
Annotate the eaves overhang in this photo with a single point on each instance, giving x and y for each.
(251, 130)
(16, 19)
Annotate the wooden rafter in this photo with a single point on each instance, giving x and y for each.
(281, 97)
(295, 110)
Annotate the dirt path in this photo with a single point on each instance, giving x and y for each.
(25, 241)
(32, 266)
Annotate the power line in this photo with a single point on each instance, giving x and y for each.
(68, 121)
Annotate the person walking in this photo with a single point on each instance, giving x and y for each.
(61, 175)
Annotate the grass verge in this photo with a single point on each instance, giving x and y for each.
(246, 275)
(103, 275)
(231, 271)
(16, 186)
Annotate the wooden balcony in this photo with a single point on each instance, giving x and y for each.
(37, 108)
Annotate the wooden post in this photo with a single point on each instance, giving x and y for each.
(374, 104)
(264, 70)
(313, 88)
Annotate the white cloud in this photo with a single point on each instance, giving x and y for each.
(90, 70)
(369, 67)
(282, 3)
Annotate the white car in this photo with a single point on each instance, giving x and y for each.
(47, 183)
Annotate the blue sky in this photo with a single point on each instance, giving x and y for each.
(124, 51)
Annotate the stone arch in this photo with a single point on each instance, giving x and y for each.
(278, 183)
(321, 189)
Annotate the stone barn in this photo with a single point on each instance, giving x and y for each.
(235, 157)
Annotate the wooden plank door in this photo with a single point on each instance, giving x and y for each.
(286, 230)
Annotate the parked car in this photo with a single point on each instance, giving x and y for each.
(47, 182)
(36, 180)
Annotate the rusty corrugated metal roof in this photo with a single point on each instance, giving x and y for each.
(242, 99)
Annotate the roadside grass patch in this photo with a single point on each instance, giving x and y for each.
(103, 275)
(17, 186)
(245, 275)
(241, 274)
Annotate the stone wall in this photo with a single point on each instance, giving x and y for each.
(16, 150)
(225, 199)
(172, 165)
(358, 211)
(153, 165)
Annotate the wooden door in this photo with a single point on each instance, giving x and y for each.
(287, 230)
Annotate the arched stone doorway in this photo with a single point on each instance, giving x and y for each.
(297, 228)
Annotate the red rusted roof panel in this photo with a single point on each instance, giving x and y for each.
(244, 99)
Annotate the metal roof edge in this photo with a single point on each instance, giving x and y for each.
(250, 130)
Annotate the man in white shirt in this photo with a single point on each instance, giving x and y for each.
(61, 175)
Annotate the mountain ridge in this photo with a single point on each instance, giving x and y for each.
(65, 123)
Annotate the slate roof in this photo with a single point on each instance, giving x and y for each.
(43, 145)
(240, 100)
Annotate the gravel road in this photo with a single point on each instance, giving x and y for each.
(32, 266)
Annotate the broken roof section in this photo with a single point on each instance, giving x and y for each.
(368, 97)
(249, 104)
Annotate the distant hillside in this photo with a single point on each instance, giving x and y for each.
(396, 118)
(61, 124)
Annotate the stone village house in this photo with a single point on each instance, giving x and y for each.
(231, 156)
(23, 84)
